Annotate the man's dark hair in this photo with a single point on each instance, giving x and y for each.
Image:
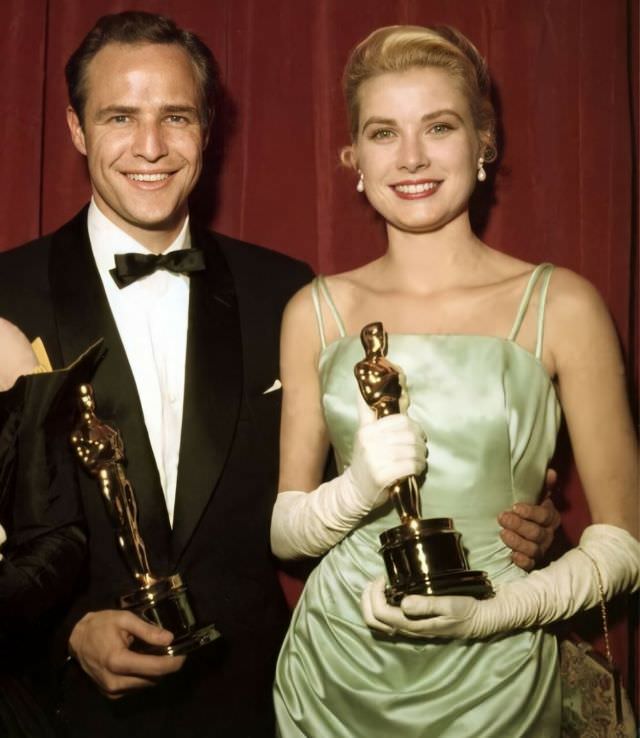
(138, 27)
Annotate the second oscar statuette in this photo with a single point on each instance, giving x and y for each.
(421, 556)
(160, 600)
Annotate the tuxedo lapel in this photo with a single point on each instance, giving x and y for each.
(213, 389)
(83, 315)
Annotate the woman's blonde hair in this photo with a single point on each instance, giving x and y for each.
(399, 48)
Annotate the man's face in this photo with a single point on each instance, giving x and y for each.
(142, 137)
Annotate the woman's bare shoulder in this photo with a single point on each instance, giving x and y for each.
(571, 295)
(357, 278)
(299, 311)
(578, 324)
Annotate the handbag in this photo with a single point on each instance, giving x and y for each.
(594, 701)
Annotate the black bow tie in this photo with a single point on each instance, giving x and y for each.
(130, 267)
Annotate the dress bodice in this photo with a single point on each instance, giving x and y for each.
(490, 413)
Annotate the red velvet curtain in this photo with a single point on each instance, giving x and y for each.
(566, 79)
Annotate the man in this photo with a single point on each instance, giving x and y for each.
(197, 353)
(188, 378)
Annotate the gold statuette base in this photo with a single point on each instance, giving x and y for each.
(426, 557)
(165, 603)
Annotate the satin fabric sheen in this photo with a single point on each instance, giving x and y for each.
(491, 417)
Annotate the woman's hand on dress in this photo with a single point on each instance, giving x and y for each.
(605, 563)
(17, 355)
(442, 616)
(529, 529)
(424, 617)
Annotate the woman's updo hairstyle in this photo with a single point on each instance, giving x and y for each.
(399, 48)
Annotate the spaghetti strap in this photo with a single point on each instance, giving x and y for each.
(545, 268)
(319, 289)
(318, 309)
(542, 303)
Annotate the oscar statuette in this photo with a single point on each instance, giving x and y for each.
(421, 556)
(159, 600)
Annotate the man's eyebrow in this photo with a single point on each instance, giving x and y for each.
(375, 120)
(179, 109)
(116, 110)
(132, 110)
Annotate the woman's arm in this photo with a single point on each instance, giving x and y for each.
(593, 395)
(304, 441)
(310, 517)
(584, 350)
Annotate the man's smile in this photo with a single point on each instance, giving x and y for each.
(151, 177)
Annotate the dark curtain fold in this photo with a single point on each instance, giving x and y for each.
(23, 71)
(564, 189)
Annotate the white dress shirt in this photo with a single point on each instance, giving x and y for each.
(151, 316)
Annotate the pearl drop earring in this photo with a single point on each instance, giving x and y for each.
(482, 175)
(360, 185)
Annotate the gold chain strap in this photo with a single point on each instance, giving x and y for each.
(603, 608)
(619, 728)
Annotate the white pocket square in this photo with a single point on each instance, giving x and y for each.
(275, 386)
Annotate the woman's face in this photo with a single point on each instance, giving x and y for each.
(417, 148)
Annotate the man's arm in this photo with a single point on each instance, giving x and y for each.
(529, 529)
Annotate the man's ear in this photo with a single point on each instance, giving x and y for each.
(75, 128)
(348, 157)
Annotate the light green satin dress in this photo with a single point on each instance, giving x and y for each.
(491, 416)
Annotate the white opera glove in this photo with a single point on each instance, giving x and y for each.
(556, 592)
(383, 452)
(310, 523)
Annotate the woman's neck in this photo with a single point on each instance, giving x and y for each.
(428, 262)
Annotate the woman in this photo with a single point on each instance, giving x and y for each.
(45, 548)
(489, 346)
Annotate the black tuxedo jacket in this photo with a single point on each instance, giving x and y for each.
(226, 474)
